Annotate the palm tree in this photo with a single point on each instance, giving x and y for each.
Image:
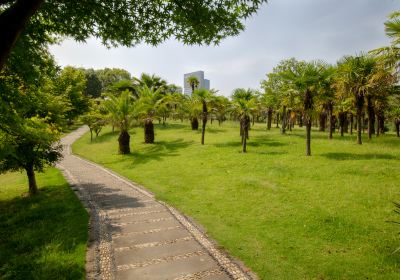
(121, 111)
(242, 108)
(204, 96)
(193, 81)
(220, 108)
(354, 78)
(153, 82)
(305, 78)
(192, 108)
(147, 109)
(326, 95)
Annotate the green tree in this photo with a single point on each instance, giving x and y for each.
(192, 108)
(220, 108)
(204, 96)
(153, 82)
(242, 108)
(193, 82)
(354, 79)
(122, 22)
(93, 84)
(305, 79)
(71, 84)
(121, 111)
(30, 115)
(95, 120)
(110, 76)
(147, 110)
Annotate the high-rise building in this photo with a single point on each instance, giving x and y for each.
(203, 83)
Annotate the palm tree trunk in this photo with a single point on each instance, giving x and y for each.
(91, 134)
(203, 130)
(283, 125)
(351, 123)
(277, 120)
(308, 136)
(33, 189)
(371, 116)
(330, 114)
(397, 124)
(124, 142)
(148, 131)
(322, 121)
(194, 122)
(269, 118)
(359, 126)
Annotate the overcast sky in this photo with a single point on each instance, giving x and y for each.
(305, 29)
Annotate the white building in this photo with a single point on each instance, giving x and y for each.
(203, 83)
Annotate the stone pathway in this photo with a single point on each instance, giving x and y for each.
(134, 236)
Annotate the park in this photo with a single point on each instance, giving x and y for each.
(108, 175)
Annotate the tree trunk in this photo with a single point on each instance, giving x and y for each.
(203, 130)
(194, 122)
(381, 121)
(351, 123)
(124, 141)
(277, 120)
(283, 125)
(148, 131)
(308, 136)
(342, 116)
(13, 21)
(308, 105)
(397, 124)
(371, 116)
(33, 189)
(330, 113)
(269, 118)
(91, 134)
(300, 120)
(322, 121)
(359, 126)
(244, 125)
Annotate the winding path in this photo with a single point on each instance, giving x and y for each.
(134, 236)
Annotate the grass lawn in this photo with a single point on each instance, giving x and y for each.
(287, 216)
(42, 237)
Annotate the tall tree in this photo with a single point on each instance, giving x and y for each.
(242, 108)
(193, 82)
(121, 110)
(204, 96)
(305, 79)
(123, 22)
(147, 109)
(354, 80)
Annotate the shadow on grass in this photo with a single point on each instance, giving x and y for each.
(43, 237)
(255, 141)
(158, 151)
(350, 156)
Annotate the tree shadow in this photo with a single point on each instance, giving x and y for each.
(350, 156)
(110, 198)
(212, 130)
(40, 236)
(158, 151)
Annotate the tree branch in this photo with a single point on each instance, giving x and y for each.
(13, 21)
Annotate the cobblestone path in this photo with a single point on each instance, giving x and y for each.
(134, 236)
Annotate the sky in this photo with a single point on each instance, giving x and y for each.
(305, 29)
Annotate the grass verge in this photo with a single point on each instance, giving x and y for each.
(41, 237)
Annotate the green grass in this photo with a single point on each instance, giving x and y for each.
(287, 216)
(42, 237)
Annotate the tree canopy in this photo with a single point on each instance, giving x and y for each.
(122, 22)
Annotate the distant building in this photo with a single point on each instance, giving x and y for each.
(203, 83)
